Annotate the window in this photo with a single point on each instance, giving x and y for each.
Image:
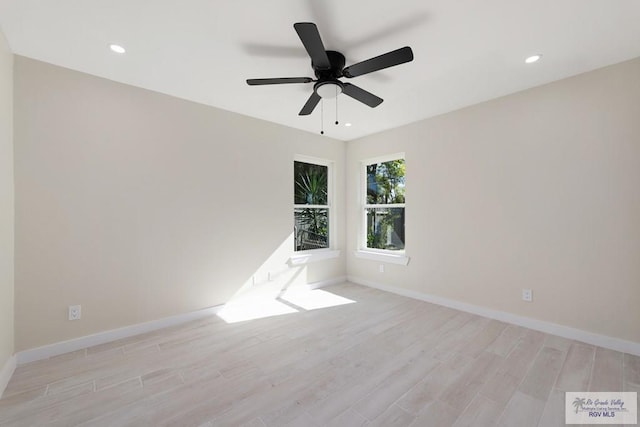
(384, 205)
(311, 209)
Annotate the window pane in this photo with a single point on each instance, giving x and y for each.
(311, 228)
(310, 184)
(385, 228)
(385, 182)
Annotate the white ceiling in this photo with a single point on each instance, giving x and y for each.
(466, 51)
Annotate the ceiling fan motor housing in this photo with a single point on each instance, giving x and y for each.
(337, 61)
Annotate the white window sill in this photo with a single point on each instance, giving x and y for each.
(313, 256)
(391, 258)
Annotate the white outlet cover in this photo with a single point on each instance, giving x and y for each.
(75, 312)
(527, 295)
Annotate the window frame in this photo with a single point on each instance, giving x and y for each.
(363, 251)
(310, 255)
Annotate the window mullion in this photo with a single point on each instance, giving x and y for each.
(311, 206)
(389, 205)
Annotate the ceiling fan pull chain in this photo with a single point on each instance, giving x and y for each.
(322, 117)
(336, 105)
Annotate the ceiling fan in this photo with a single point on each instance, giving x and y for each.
(328, 66)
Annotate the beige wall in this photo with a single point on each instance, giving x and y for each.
(139, 206)
(540, 190)
(6, 202)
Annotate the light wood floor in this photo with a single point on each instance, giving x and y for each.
(382, 361)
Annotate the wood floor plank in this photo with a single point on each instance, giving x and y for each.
(554, 410)
(634, 388)
(458, 340)
(431, 388)
(481, 412)
(462, 390)
(521, 411)
(543, 373)
(382, 396)
(436, 414)
(384, 360)
(506, 341)
(348, 418)
(501, 386)
(559, 343)
(606, 374)
(394, 416)
(576, 370)
(508, 376)
(632, 368)
(481, 340)
(256, 422)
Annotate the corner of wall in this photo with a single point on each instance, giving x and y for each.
(6, 372)
(7, 347)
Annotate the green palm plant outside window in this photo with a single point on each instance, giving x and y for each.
(311, 210)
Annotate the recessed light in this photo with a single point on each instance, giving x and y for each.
(533, 58)
(117, 48)
(347, 124)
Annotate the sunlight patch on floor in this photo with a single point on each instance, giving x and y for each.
(314, 299)
(239, 311)
(293, 300)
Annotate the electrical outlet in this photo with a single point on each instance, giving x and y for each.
(527, 295)
(75, 312)
(381, 268)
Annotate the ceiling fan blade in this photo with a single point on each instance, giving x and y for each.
(389, 59)
(310, 37)
(310, 105)
(361, 95)
(277, 81)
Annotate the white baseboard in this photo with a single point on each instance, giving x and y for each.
(527, 322)
(328, 282)
(6, 372)
(56, 349)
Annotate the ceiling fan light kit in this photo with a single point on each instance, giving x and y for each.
(328, 89)
(329, 66)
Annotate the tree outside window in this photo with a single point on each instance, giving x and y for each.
(385, 205)
(311, 206)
